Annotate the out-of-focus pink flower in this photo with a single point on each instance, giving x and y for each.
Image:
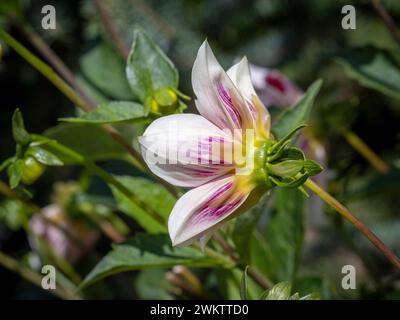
(274, 88)
(67, 238)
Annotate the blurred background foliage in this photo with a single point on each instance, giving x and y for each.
(303, 39)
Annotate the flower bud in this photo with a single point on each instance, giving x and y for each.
(164, 101)
(31, 170)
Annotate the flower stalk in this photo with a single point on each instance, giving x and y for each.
(358, 144)
(359, 225)
(79, 101)
(13, 265)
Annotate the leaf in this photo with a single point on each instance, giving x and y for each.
(20, 135)
(151, 284)
(43, 156)
(148, 68)
(112, 112)
(146, 251)
(278, 253)
(105, 69)
(153, 195)
(319, 287)
(6, 163)
(373, 68)
(90, 141)
(14, 172)
(280, 291)
(298, 114)
(14, 213)
(243, 285)
(244, 228)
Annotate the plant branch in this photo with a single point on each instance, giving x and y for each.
(360, 226)
(387, 19)
(155, 17)
(59, 83)
(104, 175)
(13, 265)
(111, 28)
(360, 146)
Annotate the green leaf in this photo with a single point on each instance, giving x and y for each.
(280, 291)
(243, 230)
(152, 284)
(243, 285)
(14, 172)
(319, 287)
(14, 213)
(146, 251)
(112, 112)
(373, 68)
(44, 156)
(148, 68)
(105, 69)
(278, 253)
(153, 195)
(6, 163)
(298, 114)
(20, 135)
(90, 141)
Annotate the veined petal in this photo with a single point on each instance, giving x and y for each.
(201, 210)
(240, 75)
(187, 150)
(218, 99)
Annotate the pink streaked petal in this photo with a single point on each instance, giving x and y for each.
(240, 75)
(203, 209)
(218, 99)
(182, 149)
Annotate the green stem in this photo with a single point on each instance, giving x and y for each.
(44, 69)
(13, 265)
(358, 144)
(360, 226)
(59, 83)
(104, 175)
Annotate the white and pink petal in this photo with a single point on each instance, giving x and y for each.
(218, 99)
(187, 150)
(203, 209)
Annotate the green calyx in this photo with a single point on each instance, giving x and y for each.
(286, 166)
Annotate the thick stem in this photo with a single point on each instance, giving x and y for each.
(344, 212)
(358, 144)
(13, 265)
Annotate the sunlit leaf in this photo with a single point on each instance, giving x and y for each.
(148, 68)
(112, 112)
(298, 114)
(143, 252)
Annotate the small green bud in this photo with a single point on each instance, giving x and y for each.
(31, 170)
(164, 101)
